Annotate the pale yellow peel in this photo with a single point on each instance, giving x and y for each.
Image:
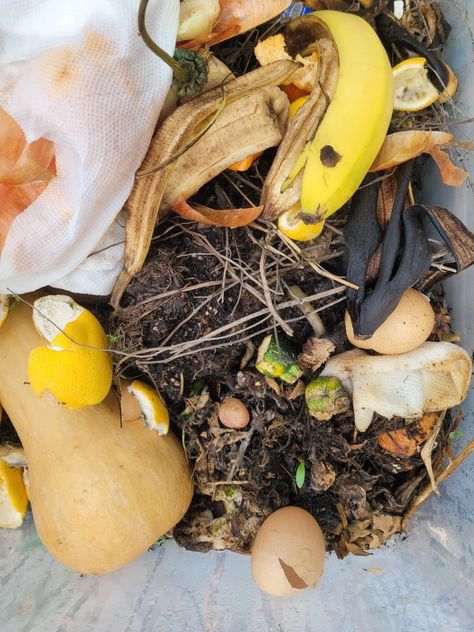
(413, 89)
(13, 498)
(356, 121)
(75, 368)
(153, 409)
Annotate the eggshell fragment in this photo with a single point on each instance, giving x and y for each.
(407, 327)
(288, 552)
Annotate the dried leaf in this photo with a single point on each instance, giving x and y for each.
(428, 449)
(297, 391)
(316, 352)
(356, 550)
(386, 200)
(231, 218)
(403, 146)
(387, 523)
(249, 351)
(458, 239)
(450, 174)
(273, 384)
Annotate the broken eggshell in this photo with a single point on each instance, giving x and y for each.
(406, 328)
(433, 377)
(288, 552)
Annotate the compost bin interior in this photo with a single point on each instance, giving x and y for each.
(421, 581)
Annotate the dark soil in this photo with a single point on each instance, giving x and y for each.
(190, 257)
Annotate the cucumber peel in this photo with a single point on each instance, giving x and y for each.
(278, 359)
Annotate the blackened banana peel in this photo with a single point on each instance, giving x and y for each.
(406, 255)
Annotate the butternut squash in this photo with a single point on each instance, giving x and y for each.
(101, 494)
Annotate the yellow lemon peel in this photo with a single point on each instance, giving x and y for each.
(295, 228)
(74, 367)
(13, 498)
(413, 89)
(153, 409)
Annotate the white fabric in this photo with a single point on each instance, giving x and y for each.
(77, 73)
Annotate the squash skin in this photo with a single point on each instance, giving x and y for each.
(100, 494)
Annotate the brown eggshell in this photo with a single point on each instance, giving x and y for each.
(288, 552)
(407, 327)
(233, 413)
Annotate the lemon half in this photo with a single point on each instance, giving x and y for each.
(293, 227)
(413, 89)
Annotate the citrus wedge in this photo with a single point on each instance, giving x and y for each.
(413, 89)
(153, 409)
(293, 226)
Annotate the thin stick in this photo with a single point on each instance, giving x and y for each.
(317, 268)
(266, 292)
(428, 490)
(313, 318)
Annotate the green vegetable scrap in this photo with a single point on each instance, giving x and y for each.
(277, 358)
(326, 397)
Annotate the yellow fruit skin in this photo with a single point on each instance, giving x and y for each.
(161, 418)
(300, 231)
(357, 119)
(295, 106)
(77, 376)
(13, 480)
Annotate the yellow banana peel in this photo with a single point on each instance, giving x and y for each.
(345, 141)
(356, 122)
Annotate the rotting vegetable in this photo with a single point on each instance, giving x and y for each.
(326, 397)
(277, 358)
(101, 493)
(433, 377)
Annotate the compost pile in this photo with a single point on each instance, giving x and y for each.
(192, 319)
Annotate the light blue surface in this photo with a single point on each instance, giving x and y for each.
(426, 582)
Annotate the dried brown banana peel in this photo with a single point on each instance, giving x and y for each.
(247, 126)
(176, 133)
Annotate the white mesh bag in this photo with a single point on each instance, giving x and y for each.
(76, 72)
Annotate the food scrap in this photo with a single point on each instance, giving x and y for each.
(280, 305)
